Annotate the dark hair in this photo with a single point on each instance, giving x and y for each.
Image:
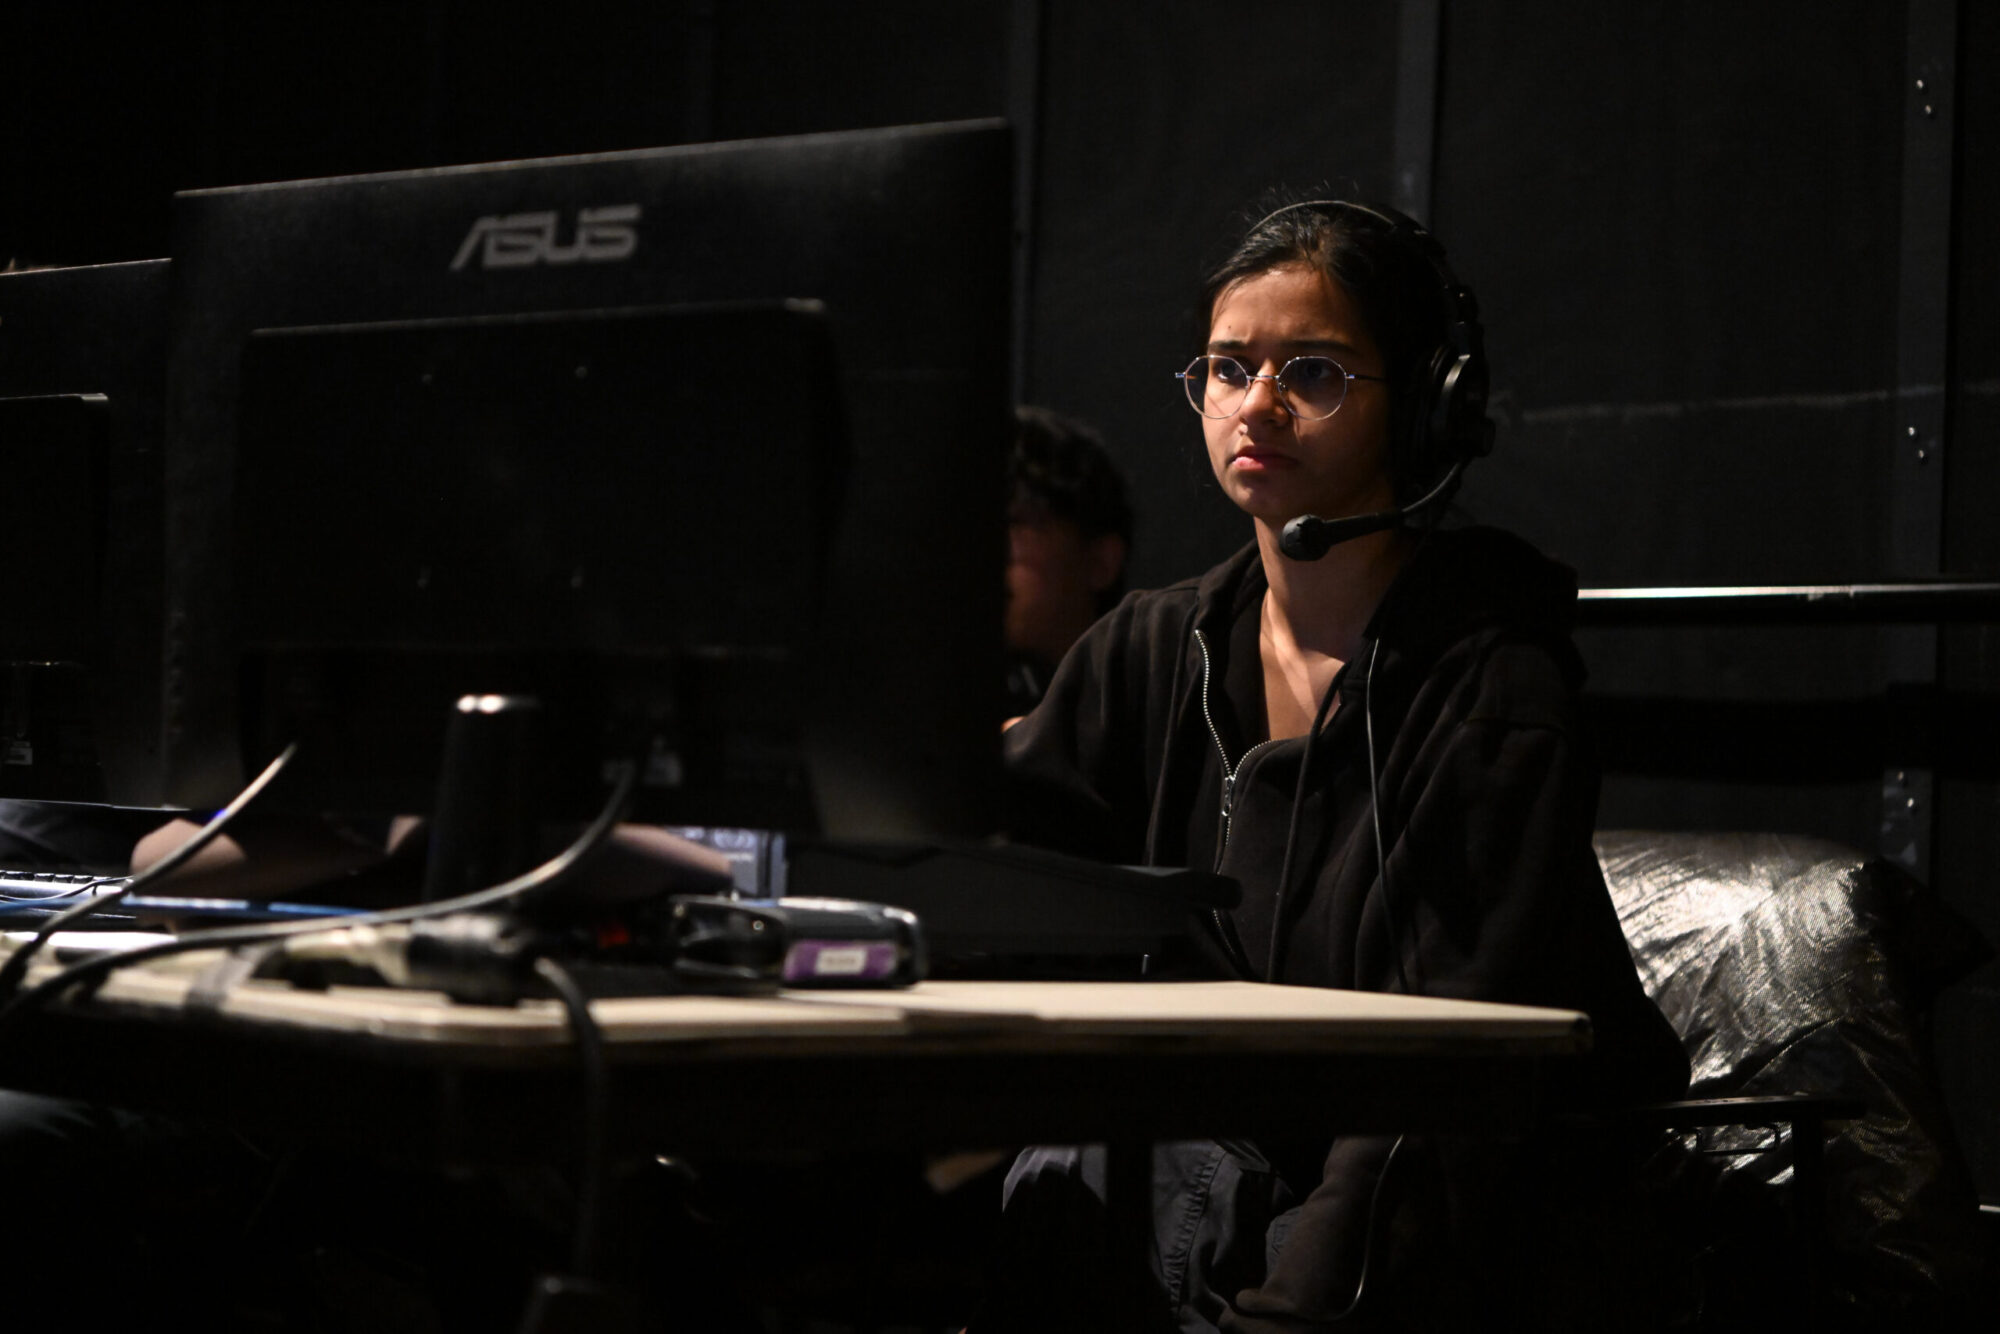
(1060, 467)
(1392, 284)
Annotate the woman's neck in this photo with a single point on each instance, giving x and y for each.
(1321, 608)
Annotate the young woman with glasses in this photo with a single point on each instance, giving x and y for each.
(1382, 746)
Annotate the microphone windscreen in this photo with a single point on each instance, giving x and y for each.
(1309, 537)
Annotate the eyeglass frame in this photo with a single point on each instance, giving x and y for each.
(1277, 380)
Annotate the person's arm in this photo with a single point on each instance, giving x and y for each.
(260, 857)
(1499, 883)
(1075, 764)
(263, 857)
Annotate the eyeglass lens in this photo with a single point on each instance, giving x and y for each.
(1312, 387)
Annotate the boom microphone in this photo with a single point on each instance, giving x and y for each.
(1309, 537)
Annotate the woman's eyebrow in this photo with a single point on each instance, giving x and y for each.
(1293, 345)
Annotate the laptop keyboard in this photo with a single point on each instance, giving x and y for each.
(21, 885)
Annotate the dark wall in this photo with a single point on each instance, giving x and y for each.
(108, 113)
(1156, 136)
(1687, 244)
(1685, 231)
(1685, 221)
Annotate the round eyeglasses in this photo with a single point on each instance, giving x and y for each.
(1311, 388)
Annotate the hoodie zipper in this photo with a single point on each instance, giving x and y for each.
(1229, 772)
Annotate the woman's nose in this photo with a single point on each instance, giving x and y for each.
(1263, 397)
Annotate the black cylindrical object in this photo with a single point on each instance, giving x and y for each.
(483, 829)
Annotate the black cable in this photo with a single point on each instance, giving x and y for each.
(1292, 834)
(89, 886)
(1374, 776)
(1375, 772)
(590, 1178)
(16, 967)
(1368, 1238)
(1375, 815)
(1395, 935)
(90, 971)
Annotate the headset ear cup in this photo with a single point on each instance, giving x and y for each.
(1434, 450)
(1459, 411)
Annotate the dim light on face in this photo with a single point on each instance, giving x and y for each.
(1272, 462)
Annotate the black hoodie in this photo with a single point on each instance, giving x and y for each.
(1488, 797)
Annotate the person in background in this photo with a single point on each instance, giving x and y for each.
(1069, 529)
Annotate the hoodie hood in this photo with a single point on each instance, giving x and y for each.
(1465, 580)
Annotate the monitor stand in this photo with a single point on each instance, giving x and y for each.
(483, 829)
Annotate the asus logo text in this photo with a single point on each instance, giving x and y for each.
(519, 240)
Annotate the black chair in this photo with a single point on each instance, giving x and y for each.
(1800, 973)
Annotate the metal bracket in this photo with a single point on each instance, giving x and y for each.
(1923, 351)
(1908, 812)
(1924, 280)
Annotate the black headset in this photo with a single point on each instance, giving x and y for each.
(1445, 424)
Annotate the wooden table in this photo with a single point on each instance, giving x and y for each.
(943, 1066)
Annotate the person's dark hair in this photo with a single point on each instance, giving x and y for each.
(1059, 467)
(1392, 284)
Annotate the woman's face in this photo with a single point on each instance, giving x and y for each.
(1272, 464)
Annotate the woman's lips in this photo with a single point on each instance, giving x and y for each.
(1260, 460)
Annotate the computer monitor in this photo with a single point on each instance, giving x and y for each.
(692, 297)
(82, 383)
(546, 506)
